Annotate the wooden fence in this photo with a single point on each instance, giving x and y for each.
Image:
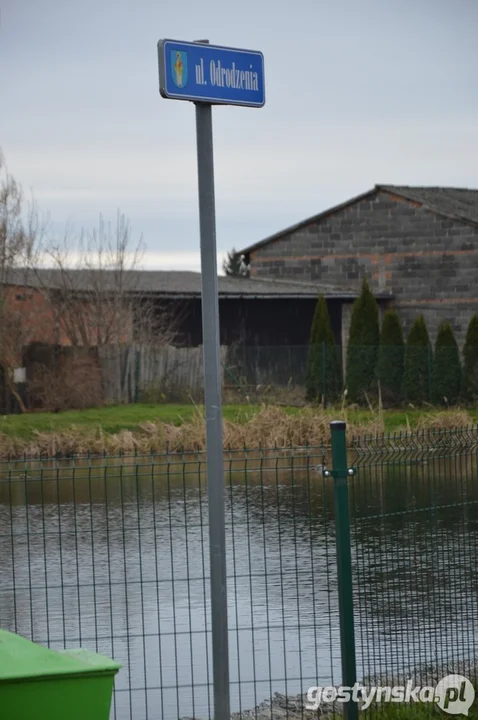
(59, 378)
(143, 373)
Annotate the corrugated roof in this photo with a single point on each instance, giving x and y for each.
(458, 203)
(181, 284)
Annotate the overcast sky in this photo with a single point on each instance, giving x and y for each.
(358, 92)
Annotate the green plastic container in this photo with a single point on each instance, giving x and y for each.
(37, 683)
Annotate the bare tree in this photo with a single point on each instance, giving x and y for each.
(89, 283)
(86, 290)
(19, 232)
(18, 226)
(102, 298)
(97, 289)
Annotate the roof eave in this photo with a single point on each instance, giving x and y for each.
(313, 295)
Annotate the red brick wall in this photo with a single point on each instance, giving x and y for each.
(38, 317)
(36, 313)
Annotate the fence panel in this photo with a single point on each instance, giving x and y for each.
(414, 510)
(111, 553)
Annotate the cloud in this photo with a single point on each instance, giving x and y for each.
(177, 261)
(150, 261)
(357, 93)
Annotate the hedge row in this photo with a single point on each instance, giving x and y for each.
(381, 361)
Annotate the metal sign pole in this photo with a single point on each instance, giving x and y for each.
(205, 75)
(212, 391)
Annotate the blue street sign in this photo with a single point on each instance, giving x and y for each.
(210, 73)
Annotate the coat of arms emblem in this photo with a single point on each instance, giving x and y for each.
(179, 68)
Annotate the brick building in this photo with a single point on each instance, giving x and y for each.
(35, 299)
(32, 309)
(419, 244)
(264, 324)
(253, 311)
(41, 321)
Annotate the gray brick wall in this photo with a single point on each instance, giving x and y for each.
(428, 261)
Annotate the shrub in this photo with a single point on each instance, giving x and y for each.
(446, 367)
(470, 362)
(390, 357)
(324, 372)
(418, 363)
(362, 349)
(73, 381)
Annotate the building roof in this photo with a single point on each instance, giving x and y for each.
(457, 203)
(176, 284)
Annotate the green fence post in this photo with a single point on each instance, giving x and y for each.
(341, 473)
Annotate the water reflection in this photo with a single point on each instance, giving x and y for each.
(115, 557)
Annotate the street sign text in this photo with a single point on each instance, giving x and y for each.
(211, 74)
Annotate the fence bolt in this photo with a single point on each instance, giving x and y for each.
(340, 473)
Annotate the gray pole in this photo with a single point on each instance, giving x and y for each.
(212, 391)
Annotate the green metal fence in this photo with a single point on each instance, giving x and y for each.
(320, 373)
(414, 513)
(111, 553)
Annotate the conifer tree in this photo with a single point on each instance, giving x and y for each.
(470, 362)
(362, 349)
(234, 265)
(446, 367)
(391, 357)
(418, 364)
(324, 373)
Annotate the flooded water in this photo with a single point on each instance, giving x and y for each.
(115, 559)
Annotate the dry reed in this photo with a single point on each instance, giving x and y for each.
(272, 427)
(445, 420)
